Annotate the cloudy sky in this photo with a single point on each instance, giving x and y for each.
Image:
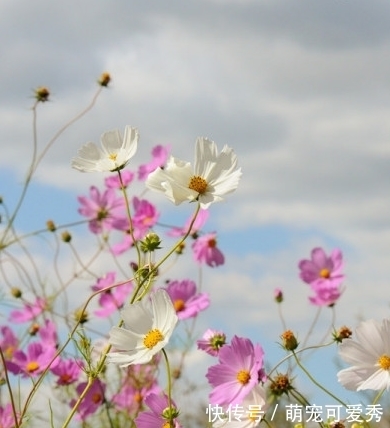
(299, 89)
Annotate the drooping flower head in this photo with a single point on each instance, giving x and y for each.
(212, 341)
(186, 301)
(114, 154)
(205, 250)
(238, 371)
(148, 326)
(212, 177)
(369, 356)
(114, 182)
(29, 312)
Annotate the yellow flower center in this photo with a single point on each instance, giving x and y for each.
(243, 376)
(384, 362)
(179, 305)
(325, 273)
(166, 424)
(113, 156)
(32, 366)
(152, 337)
(198, 184)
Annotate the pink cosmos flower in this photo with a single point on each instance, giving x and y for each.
(29, 312)
(105, 211)
(131, 399)
(93, 399)
(212, 341)
(34, 362)
(68, 371)
(7, 419)
(322, 268)
(159, 413)
(48, 334)
(9, 343)
(160, 155)
(239, 370)
(145, 216)
(113, 181)
(185, 300)
(325, 294)
(199, 222)
(112, 299)
(206, 251)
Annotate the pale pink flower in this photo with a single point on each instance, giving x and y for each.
(160, 155)
(7, 419)
(48, 334)
(29, 312)
(105, 211)
(113, 181)
(186, 301)
(9, 344)
(113, 298)
(322, 268)
(199, 222)
(205, 250)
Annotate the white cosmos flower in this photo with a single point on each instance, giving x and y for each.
(148, 325)
(114, 154)
(369, 356)
(212, 177)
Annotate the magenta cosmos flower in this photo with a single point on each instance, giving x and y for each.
(160, 413)
(93, 399)
(114, 182)
(185, 299)
(206, 251)
(7, 419)
(113, 298)
(67, 371)
(239, 370)
(34, 362)
(212, 341)
(322, 268)
(105, 211)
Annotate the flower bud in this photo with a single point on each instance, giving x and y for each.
(180, 248)
(42, 94)
(343, 333)
(51, 227)
(81, 316)
(280, 385)
(150, 243)
(104, 79)
(289, 341)
(278, 295)
(34, 329)
(66, 236)
(16, 292)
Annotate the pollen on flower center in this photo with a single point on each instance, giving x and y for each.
(152, 337)
(179, 305)
(32, 366)
(243, 376)
(198, 184)
(384, 362)
(113, 156)
(325, 273)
